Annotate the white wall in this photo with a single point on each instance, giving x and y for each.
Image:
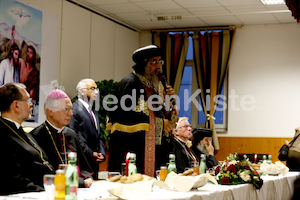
(265, 72)
(265, 63)
(94, 47)
(79, 44)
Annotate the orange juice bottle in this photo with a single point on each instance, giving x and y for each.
(163, 173)
(60, 185)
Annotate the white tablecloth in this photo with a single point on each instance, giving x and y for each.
(274, 188)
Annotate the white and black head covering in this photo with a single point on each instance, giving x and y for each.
(200, 133)
(142, 55)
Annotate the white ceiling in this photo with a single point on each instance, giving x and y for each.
(143, 14)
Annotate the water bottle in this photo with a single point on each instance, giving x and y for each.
(60, 185)
(264, 157)
(202, 169)
(269, 161)
(132, 165)
(71, 177)
(172, 165)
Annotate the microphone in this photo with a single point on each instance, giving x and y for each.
(161, 77)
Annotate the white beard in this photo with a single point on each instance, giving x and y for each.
(201, 147)
(152, 78)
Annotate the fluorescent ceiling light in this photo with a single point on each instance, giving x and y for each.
(272, 2)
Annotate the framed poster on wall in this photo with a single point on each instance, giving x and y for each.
(20, 48)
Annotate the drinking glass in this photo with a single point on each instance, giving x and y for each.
(211, 171)
(157, 174)
(195, 166)
(49, 186)
(112, 174)
(123, 169)
(103, 175)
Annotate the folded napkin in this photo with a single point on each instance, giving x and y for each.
(277, 168)
(140, 190)
(186, 183)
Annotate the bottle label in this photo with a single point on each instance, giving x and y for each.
(132, 169)
(71, 190)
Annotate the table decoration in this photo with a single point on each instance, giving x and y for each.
(234, 171)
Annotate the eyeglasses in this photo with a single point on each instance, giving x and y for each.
(29, 100)
(155, 62)
(92, 88)
(66, 110)
(185, 126)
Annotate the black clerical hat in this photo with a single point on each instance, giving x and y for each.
(142, 55)
(200, 133)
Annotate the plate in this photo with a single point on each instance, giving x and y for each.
(272, 173)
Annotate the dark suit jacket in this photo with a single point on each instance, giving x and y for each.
(182, 160)
(42, 136)
(21, 167)
(89, 137)
(83, 124)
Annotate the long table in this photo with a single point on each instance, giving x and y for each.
(274, 188)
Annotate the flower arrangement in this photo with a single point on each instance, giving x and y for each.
(235, 171)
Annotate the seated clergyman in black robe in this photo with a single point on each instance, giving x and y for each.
(202, 144)
(57, 139)
(23, 162)
(184, 156)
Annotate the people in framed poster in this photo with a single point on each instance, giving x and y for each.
(20, 48)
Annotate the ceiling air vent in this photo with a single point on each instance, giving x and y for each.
(165, 18)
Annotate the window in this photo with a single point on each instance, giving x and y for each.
(189, 86)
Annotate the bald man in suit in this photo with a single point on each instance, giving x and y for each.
(85, 122)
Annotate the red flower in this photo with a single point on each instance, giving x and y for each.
(225, 180)
(247, 167)
(256, 173)
(217, 169)
(232, 169)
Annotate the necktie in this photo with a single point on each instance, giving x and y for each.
(91, 113)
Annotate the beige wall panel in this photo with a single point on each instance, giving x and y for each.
(102, 48)
(75, 47)
(145, 38)
(126, 42)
